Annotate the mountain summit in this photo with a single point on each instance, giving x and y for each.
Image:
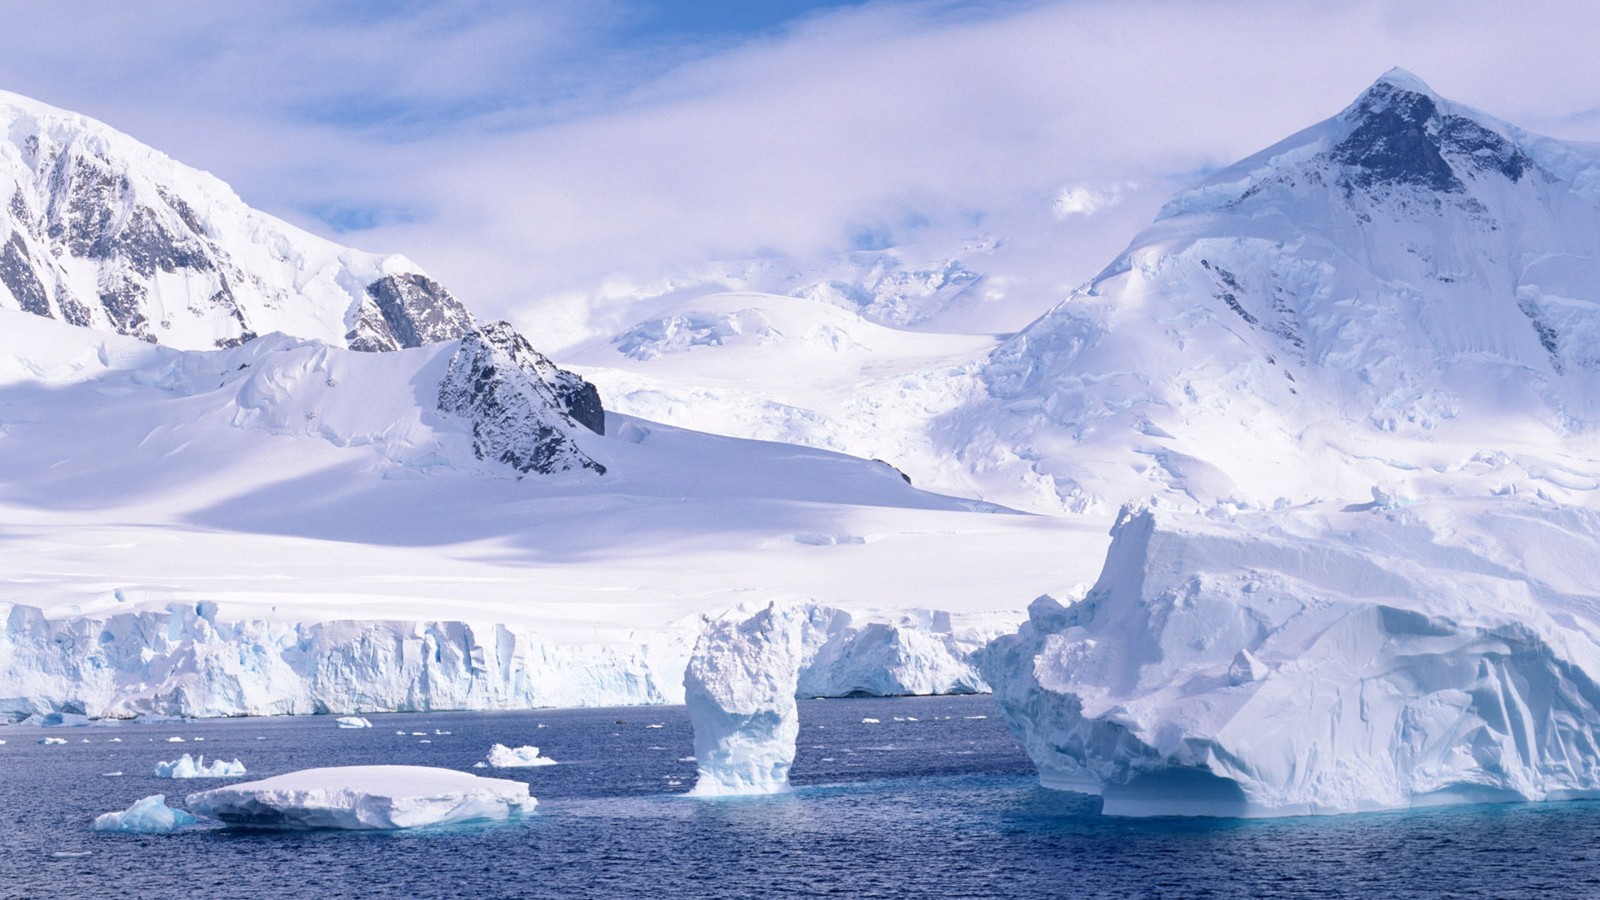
(1403, 290)
(101, 231)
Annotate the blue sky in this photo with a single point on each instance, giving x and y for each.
(529, 151)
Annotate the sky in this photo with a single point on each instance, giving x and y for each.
(533, 156)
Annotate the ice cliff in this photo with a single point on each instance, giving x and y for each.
(187, 660)
(101, 231)
(1320, 660)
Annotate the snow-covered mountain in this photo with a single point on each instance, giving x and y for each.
(1402, 292)
(105, 232)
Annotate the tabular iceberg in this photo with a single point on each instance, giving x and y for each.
(187, 766)
(366, 798)
(353, 722)
(151, 815)
(1315, 661)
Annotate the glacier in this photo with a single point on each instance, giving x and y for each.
(364, 798)
(1320, 659)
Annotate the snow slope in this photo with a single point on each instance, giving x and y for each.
(102, 231)
(291, 527)
(1403, 293)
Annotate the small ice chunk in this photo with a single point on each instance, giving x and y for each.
(186, 766)
(174, 740)
(480, 764)
(353, 722)
(1246, 668)
(151, 815)
(503, 757)
(111, 774)
(869, 721)
(113, 740)
(656, 725)
(52, 741)
(365, 798)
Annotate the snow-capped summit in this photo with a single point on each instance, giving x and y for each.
(99, 230)
(1400, 292)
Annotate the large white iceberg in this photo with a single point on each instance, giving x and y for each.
(151, 815)
(187, 766)
(364, 798)
(1320, 661)
(739, 687)
(503, 757)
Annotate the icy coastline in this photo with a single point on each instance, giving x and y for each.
(189, 661)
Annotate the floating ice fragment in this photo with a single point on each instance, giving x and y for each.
(52, 741)
(365, 798)
(189, 767)
(111, 774)
(151, 815)
(869, 721)
(174, 740)
(353, 722)
(503, 757)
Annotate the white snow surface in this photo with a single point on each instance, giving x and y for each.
(524, 757)
(187, 766)
(150, 815)
(236, 532)
(364, 798)
(1320, 660)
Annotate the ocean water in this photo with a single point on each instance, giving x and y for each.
(944, 806)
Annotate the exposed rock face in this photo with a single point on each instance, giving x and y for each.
(101, 231)
(407, 311)
(523, 409)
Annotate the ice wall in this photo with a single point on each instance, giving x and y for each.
(1320, 661)
(185, 661)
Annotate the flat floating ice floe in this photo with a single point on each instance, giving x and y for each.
(366, 798)
(353, 722)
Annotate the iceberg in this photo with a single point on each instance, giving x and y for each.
(503, 757)
(151, 815)
(740, 689)
(369, 798)
(1319, 660)
(186, 766)
(353, 722)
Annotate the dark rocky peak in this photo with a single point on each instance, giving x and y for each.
(1401, 133)
(407, 310)
(523, 409)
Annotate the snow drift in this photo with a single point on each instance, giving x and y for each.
(1316, 660)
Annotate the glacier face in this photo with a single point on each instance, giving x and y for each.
(187, 660)
(104, 232)
(1319, 660)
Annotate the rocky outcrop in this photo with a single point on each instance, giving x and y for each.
(524, 410)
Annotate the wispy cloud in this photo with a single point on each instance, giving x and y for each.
(525, 151)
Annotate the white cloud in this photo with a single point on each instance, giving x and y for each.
(521, 152)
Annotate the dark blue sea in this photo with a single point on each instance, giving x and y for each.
(943, 806)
